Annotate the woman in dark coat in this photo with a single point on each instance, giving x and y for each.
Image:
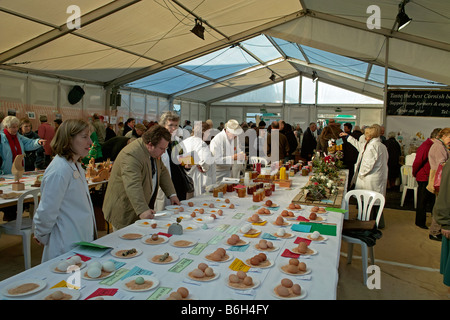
(309, 142)
(394, 151)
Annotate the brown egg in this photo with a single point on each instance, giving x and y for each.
(262, 256)
(235, 236)
(291, 206)
(284, 213)
(153, 225)
(269, 244)
(190, 204)
(279, 221)
(255, 261)
(231, 206)
(221, 251)
(290, 214)
(268, 203)
(197, 273)
(193, 214)
(321, 210)
(292, 269)
(266, 211)
(302, 266)
(261, 210)
(287, 283)
(211, 205)
(227, 200)
(248, 281)
(202, 211)
(297, 206)
(233, 278)
(154, 237)
(213, 216)
(282, 291)
(183, 291)
(216, 256)
(262, 244)
(219, 212)
(312, 216)
(181, 209)
(254, 218)
(202, 266)
(293, 262)
(232, 241)
(315, 209)
(209, 272)
(302, 247)
(241, 274)
(296, 289)
(176, 295)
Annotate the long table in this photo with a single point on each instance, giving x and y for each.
(320, 283)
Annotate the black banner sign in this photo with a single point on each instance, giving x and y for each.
(419, 103)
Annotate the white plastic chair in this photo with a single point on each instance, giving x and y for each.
(23, 226)
(254, 160)
(408, 182)
(409, 159)
(366, 200)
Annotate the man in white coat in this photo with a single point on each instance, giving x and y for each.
(226, 150)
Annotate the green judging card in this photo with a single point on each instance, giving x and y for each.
(181, 265)
(324, 229)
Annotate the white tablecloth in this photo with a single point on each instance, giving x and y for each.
(321, 283)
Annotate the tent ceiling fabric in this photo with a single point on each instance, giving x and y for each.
(148, 44)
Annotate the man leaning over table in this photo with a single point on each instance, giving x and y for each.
(135, 177)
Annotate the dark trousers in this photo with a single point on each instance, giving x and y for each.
(425, 202)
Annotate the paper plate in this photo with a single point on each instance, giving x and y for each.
(40, 285)
(75, 294)
(133, 278)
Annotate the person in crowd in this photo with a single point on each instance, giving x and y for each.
(298, 132)
(309, 142)
(382, 137)
(2, 117)
(203, 171)
(262, 124)
(181, 181)
(99, 127)
(33, 159)
(350, 152)
(46, 132)
(226, 149)
(135, 177)
(286, 129)
(113, 146)
(221, 126)
(120, 128)
(13, 144)
(371, 169)
(109, 132)
(441, 214)
(395, 151)
(439, 153)
(210, 123)
(283, 143)
(421, 171)
(137, 131)
(331, 131)
(65, 214)
(187, 126)
(57, 123)
(129, 125)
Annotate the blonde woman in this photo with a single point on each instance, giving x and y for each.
(65, 214)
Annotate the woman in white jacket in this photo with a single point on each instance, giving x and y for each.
(65, 214)
(371, 170)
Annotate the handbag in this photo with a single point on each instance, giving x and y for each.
(438, 177)
(188, 182)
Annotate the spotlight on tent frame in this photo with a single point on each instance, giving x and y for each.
(314, 76)
(198, 29)
(272, 77)
(402, 18)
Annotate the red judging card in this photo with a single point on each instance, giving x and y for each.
(168, 235)
(301, 218)
(289, 254)
(102, 292)
(300, 239)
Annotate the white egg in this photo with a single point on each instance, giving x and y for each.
(315, 235)
(108, 266)
(62, 266)
(246, 228)
(94, 272)
(95, 264)
(281, 232)
(76, 259)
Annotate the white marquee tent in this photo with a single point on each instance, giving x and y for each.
(146, 43)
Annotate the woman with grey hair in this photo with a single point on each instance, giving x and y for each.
(14, 144)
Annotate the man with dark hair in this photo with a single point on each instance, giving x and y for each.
(309, 142)
(135, 177)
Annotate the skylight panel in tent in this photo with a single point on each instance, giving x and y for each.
(168, 81)
(397, 78)
(290, 49)
(262, 48)
(336, 62)
(269, 94)
(221, 63)
(329, 94)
